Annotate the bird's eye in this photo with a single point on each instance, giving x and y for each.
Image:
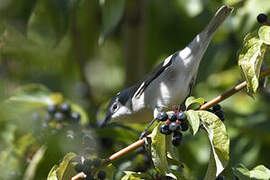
(115, 106)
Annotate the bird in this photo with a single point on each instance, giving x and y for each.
(167, 84)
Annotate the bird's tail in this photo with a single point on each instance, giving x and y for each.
(220, 16)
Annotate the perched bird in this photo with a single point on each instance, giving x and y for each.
(169, 83)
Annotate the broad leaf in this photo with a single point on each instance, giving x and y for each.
(219, 141)
(52, 174)
(135, 176)
(31, 169)
(159, 152)
(112, 12)
(66, 170)
(37, 94)
(192, 103)
(194, 120)
(264, 34)
(250, 61)
(259, 172)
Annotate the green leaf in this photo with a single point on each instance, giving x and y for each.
(66, 170)
(31, 169)
(135, 176)
(219, 141)
(52, 174)
(264, 34)
(259, 172)
(250, 61)
(158, 151)
(192, 103)
(194, 120)
(37, 94)
(112, 12)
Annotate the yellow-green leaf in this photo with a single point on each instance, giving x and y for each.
(219, 141)
(66, 171)
(250, 61)
(192, 103)
(52, 174)
(135, 176)
(259, 172)
(264, 34)
(194, 120)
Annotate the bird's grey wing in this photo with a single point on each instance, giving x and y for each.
(144, 83)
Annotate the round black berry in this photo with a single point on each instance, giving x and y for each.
(75, 116)
(162, 116)
(51, 108)
(261, 18)
(65, 108)
(220, 114)
(216, 107)
(220, 177)
(172, 117)
(184, 126)
(97, 162)
(164, 129)
(181, 116)
(58, 116)
(177, 138)
(78, 167)
(101, 175)
(173, 126)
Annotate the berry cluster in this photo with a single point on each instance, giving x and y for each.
(87, 167)
(174, 123)
(217, 111)
(62, 112)
(262, 18)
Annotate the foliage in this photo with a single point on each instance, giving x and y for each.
(55, 51)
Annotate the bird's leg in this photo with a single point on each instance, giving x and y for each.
(156, 111)
(146, 129)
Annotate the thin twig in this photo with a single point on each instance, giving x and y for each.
(78, 176)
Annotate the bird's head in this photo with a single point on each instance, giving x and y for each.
(118, 107)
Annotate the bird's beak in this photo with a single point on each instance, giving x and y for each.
(106, 120)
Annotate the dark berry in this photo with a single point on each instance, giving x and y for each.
(261, 18)
(97, 162)
(162, 116)
(184, 126)
(87, 162)
(216, 107)
(65, 108)
(220, 177)
(89, 177)
(172, 117)
(181, 116)
(101, 175)
(51, 108)
(174, 126)
(75, 116)
(58, 116)
(220, 114)
(78, 167)
(177, 138)
(164, 129)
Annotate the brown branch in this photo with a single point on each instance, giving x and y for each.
(207, 105)
(78, 176)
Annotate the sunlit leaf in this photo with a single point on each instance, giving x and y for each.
(250, 61)
(34, 93)
(52, 174)
(219, 141)
(31, 169)
(264, 34)
(66, 170)
(112, 12)
(135, 176)
(192, 103)
(194, 120)
(259, 172)
(158, 151)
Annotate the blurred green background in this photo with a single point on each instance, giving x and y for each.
(88, 50)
